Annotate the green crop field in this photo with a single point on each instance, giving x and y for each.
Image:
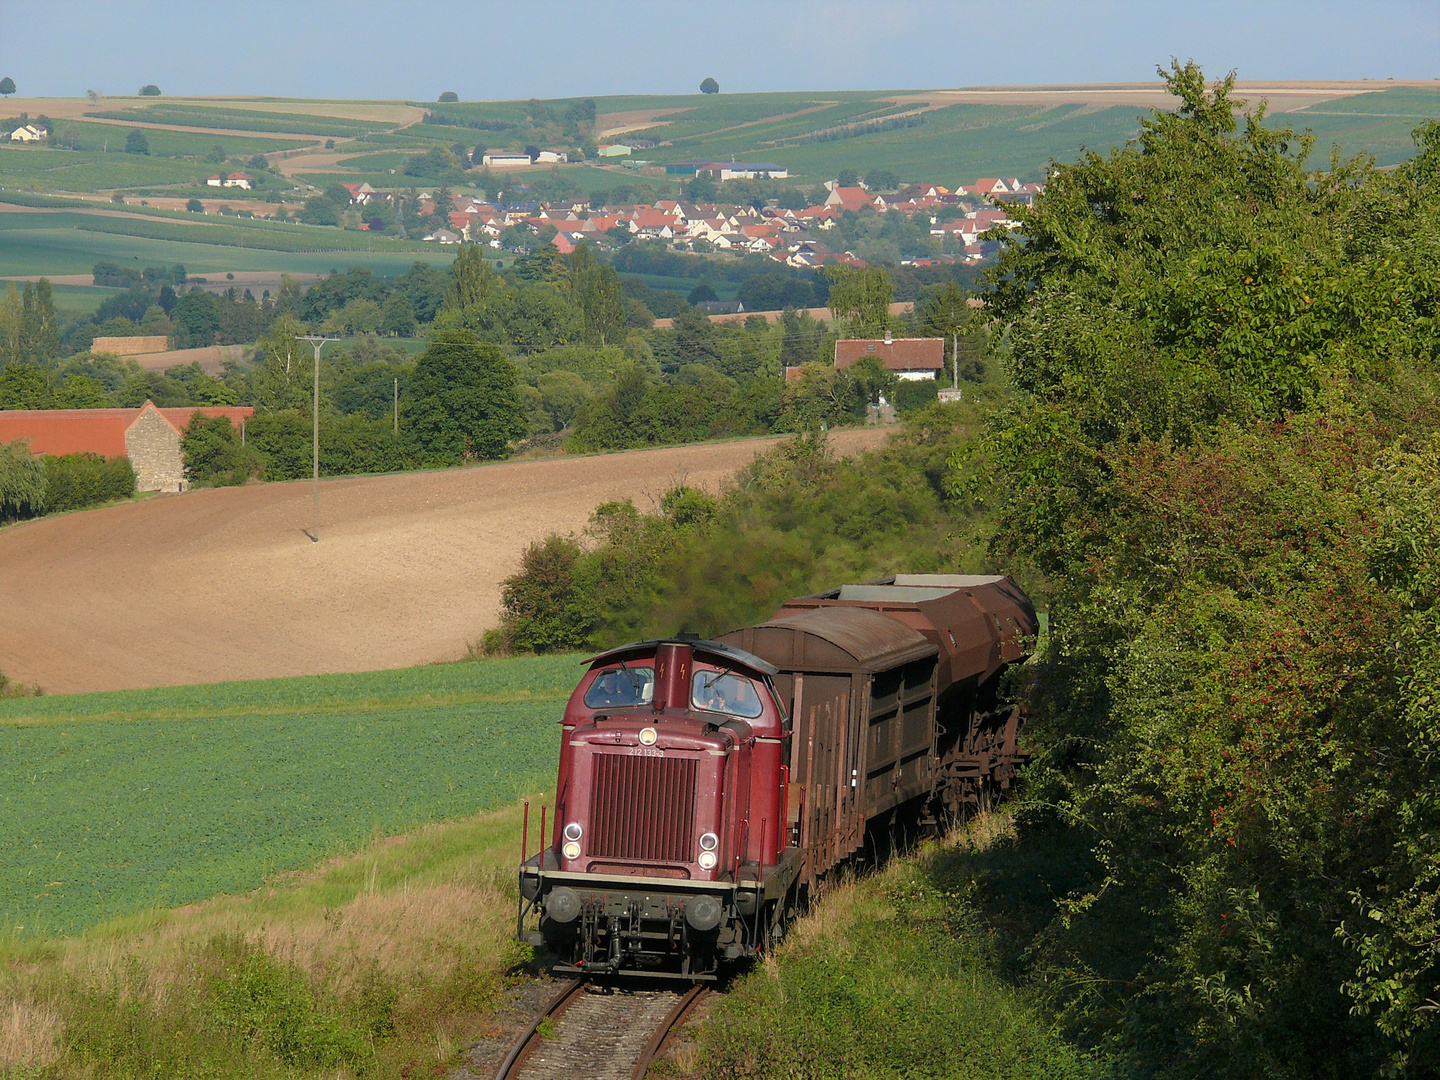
(238, 119)
(30, 168)
(70, 243)
(78, 134)
(119, 802)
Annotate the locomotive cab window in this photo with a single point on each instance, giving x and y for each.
(615, 688)
(723, 691)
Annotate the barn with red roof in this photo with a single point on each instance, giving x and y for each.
(149, 436)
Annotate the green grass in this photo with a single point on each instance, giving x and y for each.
(230, 118)
(37, 169)
(68, 243)
(251, 234)
(901, 960)
(90, 136)
(120, 802)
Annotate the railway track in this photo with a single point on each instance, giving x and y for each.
(599, 1032)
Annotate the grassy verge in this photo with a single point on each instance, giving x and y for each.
(894, 975)
(382, 963)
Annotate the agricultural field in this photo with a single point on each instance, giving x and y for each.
(31, 168)
(123, 801)
(80, 135)
(61, 242)
(241, 119)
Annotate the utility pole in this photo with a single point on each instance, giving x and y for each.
(318, 342)
(397, 406)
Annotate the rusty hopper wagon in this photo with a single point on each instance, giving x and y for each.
(884, 719)
(706, 787)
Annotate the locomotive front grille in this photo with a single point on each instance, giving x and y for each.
(642, 808)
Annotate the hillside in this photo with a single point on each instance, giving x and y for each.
(947, 137)
(223, 584)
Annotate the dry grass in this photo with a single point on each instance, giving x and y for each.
(30, 1034)
(418, 914)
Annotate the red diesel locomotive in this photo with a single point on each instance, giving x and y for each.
(706, 787)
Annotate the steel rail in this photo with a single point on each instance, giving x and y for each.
(530, 1037)
(672, 1020)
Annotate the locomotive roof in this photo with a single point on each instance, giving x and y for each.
(857, 639)
(700, 645)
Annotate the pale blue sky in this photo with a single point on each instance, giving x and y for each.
(544, 48)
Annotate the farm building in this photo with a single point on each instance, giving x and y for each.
(148, 436)
(908, 358)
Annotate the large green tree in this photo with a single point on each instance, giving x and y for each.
(1224, 462)
(464, 399)
(861, 296)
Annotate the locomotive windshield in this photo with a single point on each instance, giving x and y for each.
(723, 691)
(621, 686)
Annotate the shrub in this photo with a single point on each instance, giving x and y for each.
(915, 394)
(75, 481)
(213, 455)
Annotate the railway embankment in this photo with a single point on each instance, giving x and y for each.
(907, 971)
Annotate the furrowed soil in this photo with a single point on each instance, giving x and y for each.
(226, 584)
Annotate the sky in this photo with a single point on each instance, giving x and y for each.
(379, 49)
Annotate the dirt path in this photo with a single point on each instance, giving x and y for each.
(223, 584)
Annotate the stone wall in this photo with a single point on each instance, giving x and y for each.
(153, 447)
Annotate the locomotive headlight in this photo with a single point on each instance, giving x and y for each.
(709, 841)
(573, 831)
(648, 736)
(706, 860)
(571, 850)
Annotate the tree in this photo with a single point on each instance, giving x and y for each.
(595, 289)
(318, 210)
(216, 155)
(709, 86)
(449, 96)
(881, 180)
(93, 95)
(847, 178)
(398, 316)
(282, 380)
(1223, 461)
(7, 86)
(861, 297)
(150, 90)
(946, 313)
(22, 481)
(702, 293)
(465, 402)
(196, 316)
(195, 206)
(136, 142)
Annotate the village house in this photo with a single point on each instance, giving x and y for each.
(29, 133)
(148, 436)
(240, 180)
(911, 359)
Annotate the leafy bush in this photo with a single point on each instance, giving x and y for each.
(1224, 461)
(914, 394)
(796, 520)
(75, 481)
(213, 455)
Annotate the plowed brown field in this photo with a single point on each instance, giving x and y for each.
(224, 584)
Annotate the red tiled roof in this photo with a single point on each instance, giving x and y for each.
(95, 431)
(899, 354)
